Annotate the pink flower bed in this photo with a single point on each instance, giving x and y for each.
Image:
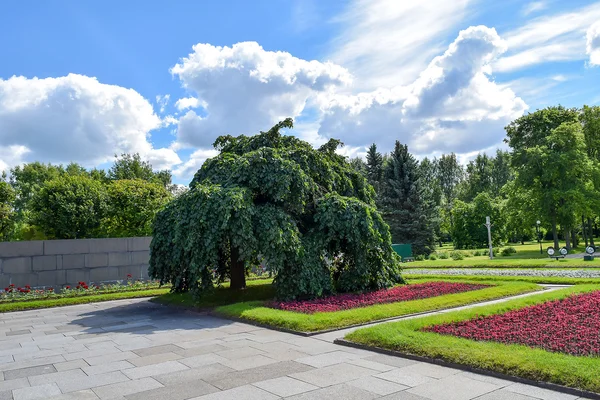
(571, 326)
(396, 294)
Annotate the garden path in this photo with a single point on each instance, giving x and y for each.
(135, 349)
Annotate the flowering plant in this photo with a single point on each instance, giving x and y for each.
(568, 325)
(393, 295)
(13, 293)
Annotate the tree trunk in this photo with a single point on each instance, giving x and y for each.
(590, 231)
(237, 272)
(567, 239)
(554, 231)
(574, 238)
(584, 231)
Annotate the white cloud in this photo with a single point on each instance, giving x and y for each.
(452, 106)
(389, 42)
(593, 44)
(558, 37)
(163, 101)
(189, 102)
(533, 7)
(11, 156)
(194, 162)
(246, 88)
(75, 118)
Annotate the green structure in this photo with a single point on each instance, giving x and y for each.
(404, 251)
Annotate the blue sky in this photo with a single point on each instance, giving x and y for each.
(440, 77)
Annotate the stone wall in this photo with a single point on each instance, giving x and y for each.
(58, 263)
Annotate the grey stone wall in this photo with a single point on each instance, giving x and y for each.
(58, 263)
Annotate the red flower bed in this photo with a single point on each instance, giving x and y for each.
(396, 294)
(570, 325)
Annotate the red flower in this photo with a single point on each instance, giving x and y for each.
(129, 276)
(569, 325)
(393, 295)
(67, 287)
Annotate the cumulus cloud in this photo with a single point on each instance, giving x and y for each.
(452, 106)
(193, 164)
(75, 118)
(188, 102)
(245, 88)
(593, 44)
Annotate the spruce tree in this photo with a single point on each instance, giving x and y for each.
(406, 207)
(374, 167)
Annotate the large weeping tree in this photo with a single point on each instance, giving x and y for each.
(271, 199)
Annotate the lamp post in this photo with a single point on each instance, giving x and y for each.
(537, 229)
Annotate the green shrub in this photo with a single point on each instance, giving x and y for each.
(507, 251)
(467, 254)
(433, 257)
(457, 255)
(477, 253)
(420, 257)
(443, 255)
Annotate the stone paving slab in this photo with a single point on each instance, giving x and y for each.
(138, 350)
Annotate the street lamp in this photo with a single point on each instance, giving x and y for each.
(537, 229)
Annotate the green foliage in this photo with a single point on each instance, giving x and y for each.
(70, 207)
(507, 251)
(131, 207)
(410, 212)
(420, 257)
(374, 166)
(306, 214)
(554, 169)
(131, 166)
(7, 214)
(433, 257)
(457, 255)
(468, 230)
(443, 255)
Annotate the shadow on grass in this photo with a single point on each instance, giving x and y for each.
(261, 289)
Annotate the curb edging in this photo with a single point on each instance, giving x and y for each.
(463, 367)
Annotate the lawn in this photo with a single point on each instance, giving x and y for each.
(258, 289)
(69, 301)
(566, 277)
(259, 312)
(408, 337)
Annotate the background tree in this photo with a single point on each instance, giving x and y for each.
(306, 213)
(70, 207)
(478, 177)
(7, 199)
(131, 166)
(501, 171)
(468, 231)
(556, 170)
(131, 207)
(374, 167)
(406, 205)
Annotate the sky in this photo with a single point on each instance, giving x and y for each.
(83, 81)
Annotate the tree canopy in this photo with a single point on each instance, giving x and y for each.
(305, 213)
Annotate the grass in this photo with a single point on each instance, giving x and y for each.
(504, 262)
(257, 312)
(528, 255)
(69, 301)
(258, 289)
(484, 278)
(516, 360)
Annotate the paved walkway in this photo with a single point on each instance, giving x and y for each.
(134, 349)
